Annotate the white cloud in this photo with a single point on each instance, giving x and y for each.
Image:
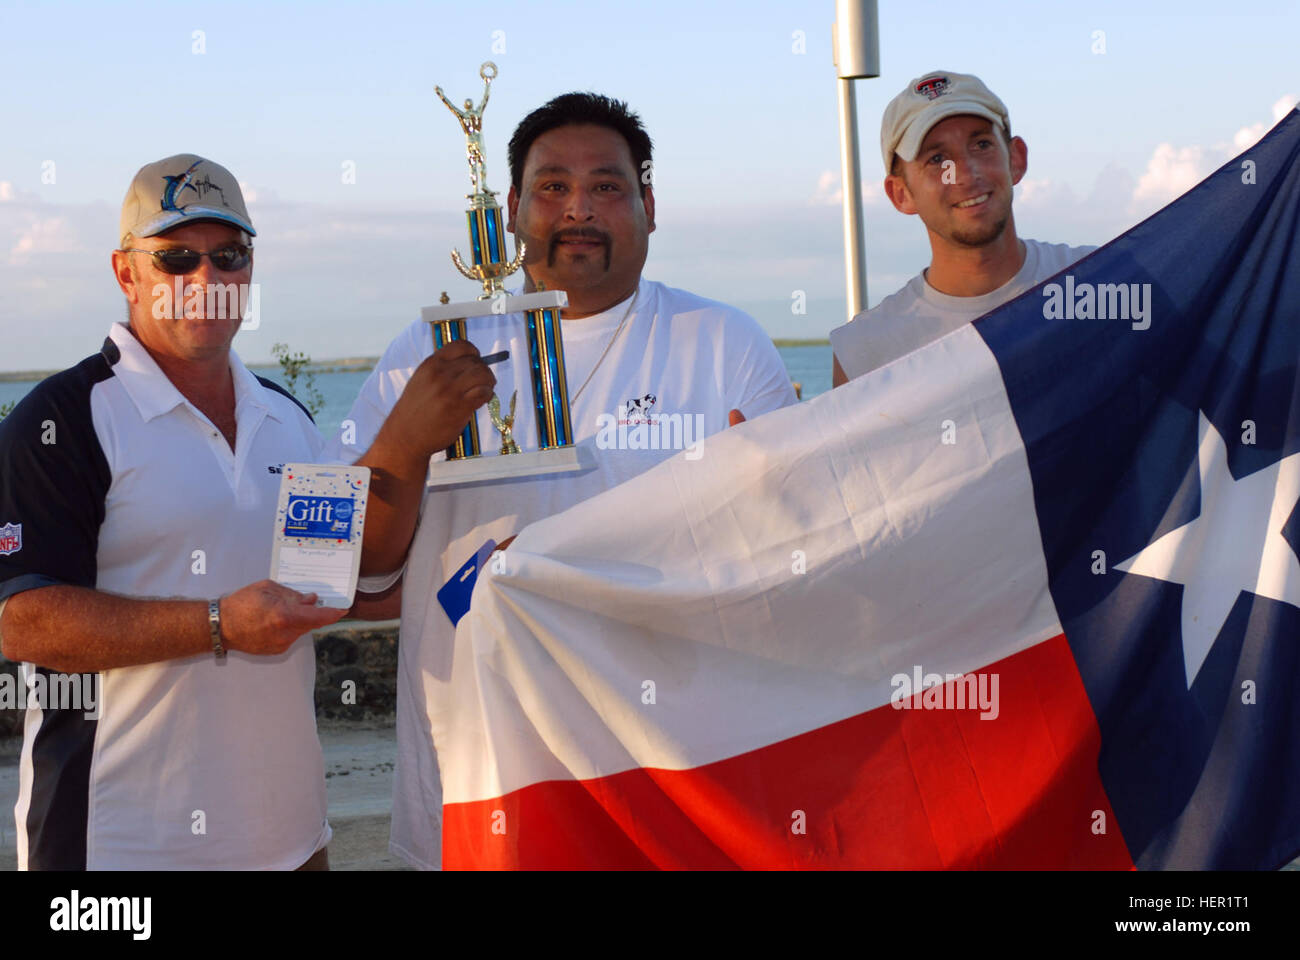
(1247, 136)
(829, 194)
(35, 235)
(1172, 171)
(257, 195)
(1053, 211)
(13, 196)
(1042, 193)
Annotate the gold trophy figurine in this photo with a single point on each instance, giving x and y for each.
(504, 424)
(487, 230)
(471, 122)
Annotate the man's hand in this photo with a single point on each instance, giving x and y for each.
(439, 400)
(80, 630)
(265, 618)
(442, 395)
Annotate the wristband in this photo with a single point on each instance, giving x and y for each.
(214, 628)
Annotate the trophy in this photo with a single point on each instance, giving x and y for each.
(505, 424)
(490, 266)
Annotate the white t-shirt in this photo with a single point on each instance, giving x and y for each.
(678, 354)
(919, 314)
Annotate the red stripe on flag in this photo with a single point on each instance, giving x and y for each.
(891, 789)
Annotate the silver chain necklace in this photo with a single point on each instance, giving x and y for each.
(626, 313)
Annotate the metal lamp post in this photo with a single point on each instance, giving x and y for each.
(855, 39)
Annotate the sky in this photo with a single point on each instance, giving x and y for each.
(1124, 106)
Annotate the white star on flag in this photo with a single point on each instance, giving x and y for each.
(1235, 544)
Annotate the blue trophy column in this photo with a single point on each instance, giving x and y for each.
(466, 445)
(487, 235)
(550, 387)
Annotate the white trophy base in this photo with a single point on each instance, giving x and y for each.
(495, 466)
(504, 303)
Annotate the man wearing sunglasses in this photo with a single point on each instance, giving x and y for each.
(151, 470)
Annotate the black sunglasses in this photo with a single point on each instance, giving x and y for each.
(230, 258)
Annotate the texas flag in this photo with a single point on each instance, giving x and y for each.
(1028, 597)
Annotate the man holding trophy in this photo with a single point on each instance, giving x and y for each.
(663, 366)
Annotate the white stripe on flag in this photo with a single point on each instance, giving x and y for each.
(918, 553)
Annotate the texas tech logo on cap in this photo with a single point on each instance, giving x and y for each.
(11, 538)
(932, 87)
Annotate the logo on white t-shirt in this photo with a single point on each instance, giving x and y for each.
(638, 411)
(635, 426)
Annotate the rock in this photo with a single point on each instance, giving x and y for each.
(356, 673)
(337, 649)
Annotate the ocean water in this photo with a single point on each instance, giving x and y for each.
(809, 366)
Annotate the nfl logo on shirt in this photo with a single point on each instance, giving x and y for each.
(11, 538)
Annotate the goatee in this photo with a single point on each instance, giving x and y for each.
(980, 238)
(579, 233)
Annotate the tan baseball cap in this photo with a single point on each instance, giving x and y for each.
(927, 100)
(179, 190)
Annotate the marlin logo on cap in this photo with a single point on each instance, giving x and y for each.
(932, 87)
(176, 185)
(181, 183)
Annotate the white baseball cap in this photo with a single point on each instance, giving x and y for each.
(927, 100)
(179, 190)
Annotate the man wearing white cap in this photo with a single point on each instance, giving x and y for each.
(951, 160)
(151, 470)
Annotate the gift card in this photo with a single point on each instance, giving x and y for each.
(319, 521)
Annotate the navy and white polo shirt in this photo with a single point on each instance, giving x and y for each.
(111, 479)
